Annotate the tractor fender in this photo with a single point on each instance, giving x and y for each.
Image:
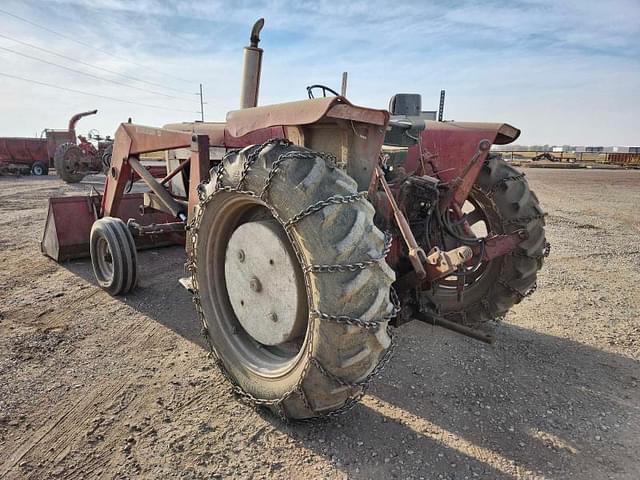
(447, 147)
(303, 112)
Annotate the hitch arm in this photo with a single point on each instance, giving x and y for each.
(440, 321)
(417, 257)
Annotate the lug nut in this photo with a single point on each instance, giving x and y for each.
(273, 317)
(241, 255)
(255, 284)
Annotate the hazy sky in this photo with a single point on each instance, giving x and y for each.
(565, 72)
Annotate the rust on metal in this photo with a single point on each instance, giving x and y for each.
(163, 194)
(445, 148)
(69, 220)
(503, 132)
(118, 173)
(74, 120)
(199, 171)
(152, 139)
(624, 159)
(131, 139)
(499, 245)
(359, 114)
(22, 151)
(303, 112)
(175, 171)
(215, 130)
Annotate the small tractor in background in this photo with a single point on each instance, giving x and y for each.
(550, 157)
(78, 157)
(311, 228)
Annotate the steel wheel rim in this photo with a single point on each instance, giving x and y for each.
(104, 258)
(449, 286)
(71, 160)
(231, 211)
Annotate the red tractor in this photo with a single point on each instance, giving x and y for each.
(307, 239)
(79, 157)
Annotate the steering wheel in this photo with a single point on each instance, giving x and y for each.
(94, 134)
(324, 89)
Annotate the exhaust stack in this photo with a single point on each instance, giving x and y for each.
(251, 68)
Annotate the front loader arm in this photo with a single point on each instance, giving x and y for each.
(131, 141)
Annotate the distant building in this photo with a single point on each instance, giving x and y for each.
(589, 149)
(563, 148)
(616, 149)
(566, 148)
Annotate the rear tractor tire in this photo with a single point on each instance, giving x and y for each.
(106, 159)
(290, 333)
(66, 156)
(505, 204)
(39, 169)
(113, 255)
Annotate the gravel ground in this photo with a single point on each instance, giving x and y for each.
(92, 386)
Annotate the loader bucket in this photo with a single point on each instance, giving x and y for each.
(69, 220)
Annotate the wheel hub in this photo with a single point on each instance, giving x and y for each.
(264, 283)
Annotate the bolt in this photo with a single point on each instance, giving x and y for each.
(273, 317)
(484, 145)
(241, 255)
(255, 284)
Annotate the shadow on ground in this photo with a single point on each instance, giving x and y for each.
(158, 293)
(450, 407)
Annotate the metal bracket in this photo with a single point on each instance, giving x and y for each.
(435, 319)
(417, 257)
(442, 263)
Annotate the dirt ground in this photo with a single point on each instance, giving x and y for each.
(99, 387)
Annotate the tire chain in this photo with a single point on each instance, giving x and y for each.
(236, 389)
(528, 219)
(352, 267)
(319, 205)
(518, 293)
(503, 182)
(545, 253)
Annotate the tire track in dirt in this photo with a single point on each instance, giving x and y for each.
(124, 396)
(58, 438)
(52, 441)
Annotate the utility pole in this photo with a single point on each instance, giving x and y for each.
(201, 104)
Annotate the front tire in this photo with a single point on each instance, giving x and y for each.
(113, 255)
(345, 339)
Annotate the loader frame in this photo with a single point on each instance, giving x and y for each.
(352, 135)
